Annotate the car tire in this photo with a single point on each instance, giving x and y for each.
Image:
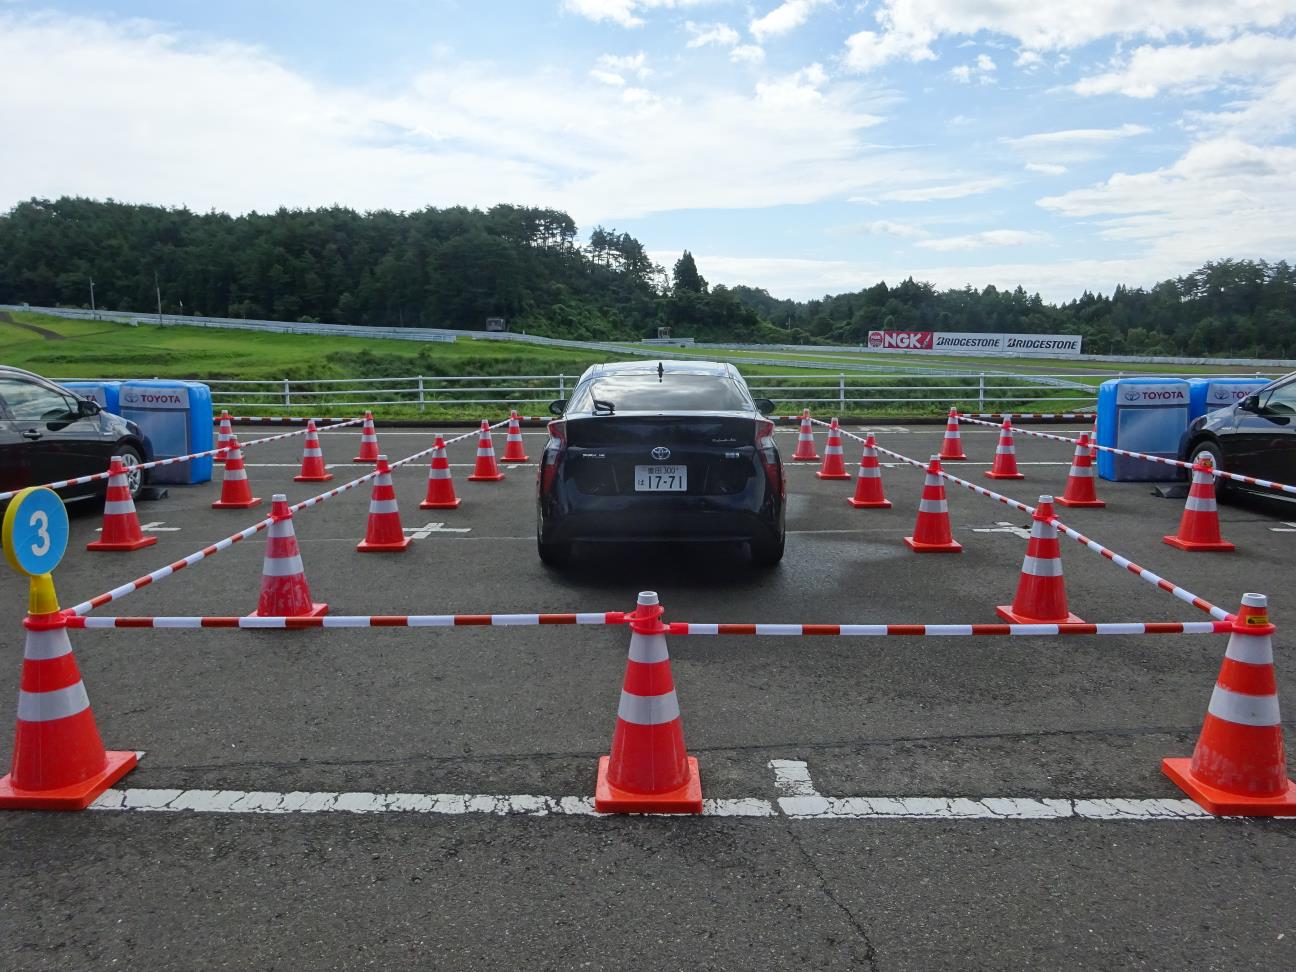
(131, 458)
(1210, 448)
(766, 553)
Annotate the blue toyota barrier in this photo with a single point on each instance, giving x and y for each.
(176, 418)
(1142, 415)
(106, 393)
(1207, 394)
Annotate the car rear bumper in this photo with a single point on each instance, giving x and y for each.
(694, 519)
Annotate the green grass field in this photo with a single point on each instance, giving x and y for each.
(63, 348)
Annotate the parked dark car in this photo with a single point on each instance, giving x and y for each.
(1256, 437)
(48, 433)
(649, 451)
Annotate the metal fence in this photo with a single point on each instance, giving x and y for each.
(840, 392)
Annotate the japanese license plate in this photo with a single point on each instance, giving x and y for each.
(661, 479)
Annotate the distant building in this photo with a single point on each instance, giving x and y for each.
(496, 324)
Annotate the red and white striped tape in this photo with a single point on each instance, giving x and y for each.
(117, 593)
(354, 621)
(952, 630)
(280, 419)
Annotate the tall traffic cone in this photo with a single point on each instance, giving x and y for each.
(833, 465)
(1093, 444)
(1080, 482)
(514, 447)
(952, 446)
(1199, 528)
(236, 494)
(932, 530)
(121, 526)
(223, 436)
(868, 485)
(440, 487)
(59, 760)
(805, 448)
(1005, 460)
(368, 441)
(312, 470)
(1239, 766)
(284, 591)
(1041, 591)
(486, 471)
(383, 533)
(648, 770)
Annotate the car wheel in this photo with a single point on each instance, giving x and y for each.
(554, 554)
(1208, 450)
(765, 553)
(131, 459)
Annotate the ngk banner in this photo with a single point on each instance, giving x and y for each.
(950, 341)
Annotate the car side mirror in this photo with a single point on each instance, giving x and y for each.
(1250, 404)
(558, 406)
(764, 405)
(87, 406)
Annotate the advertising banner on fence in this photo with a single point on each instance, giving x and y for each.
(951, 341)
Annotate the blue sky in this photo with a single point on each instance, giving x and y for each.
(806, 146)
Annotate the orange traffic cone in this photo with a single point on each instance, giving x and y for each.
(1005, 460)
(1093, 444)
(1199, 528)
(236, 494)
(312, 470)
(383, 533)
(514, 448)
(223, 436)
(368, 441)
(284, 591)
(868, 485)
(440, 487)
(805, 449)
(59, 760)
(1239, 767)
(649, 770)
(121, 526)
(1041, 591)
(1080, 483)
(833, 465)
(952, 446)
(932, 531)
(486, 471)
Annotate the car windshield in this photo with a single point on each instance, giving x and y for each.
(673, 392)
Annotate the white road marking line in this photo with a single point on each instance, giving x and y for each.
(154, 527)
(425, 531)
(1003, 526)
(1285, 528)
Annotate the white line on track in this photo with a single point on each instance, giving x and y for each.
(798, 800)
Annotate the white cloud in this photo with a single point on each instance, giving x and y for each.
(787, 16)
(1045, 168)
(623, 12)
(747, 54)
(704, 34)
(981, 70)
(636, 64)
(465, 133)
(607, 77)
(1030, 60)
(1150, 70)
(961, 73)
(1076, 136)
(986, 238)
(984, 63)
(957, 190)
(881, 227)
(907, 28)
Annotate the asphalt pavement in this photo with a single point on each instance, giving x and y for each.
(527, 711)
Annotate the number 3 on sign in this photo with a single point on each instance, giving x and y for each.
(35, 531)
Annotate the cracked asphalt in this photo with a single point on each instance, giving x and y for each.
(529, 710)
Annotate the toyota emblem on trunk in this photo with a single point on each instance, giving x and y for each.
(661, 453)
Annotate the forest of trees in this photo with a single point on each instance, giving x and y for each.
(455, 267)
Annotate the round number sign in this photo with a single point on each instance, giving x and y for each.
(35, 531)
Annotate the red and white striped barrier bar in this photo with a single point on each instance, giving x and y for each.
(1250, 480)
(1014, 416)
(355, 621)
(1188, 597)
(952, 630)
(80, 480)
(281, 419)
(117, 593)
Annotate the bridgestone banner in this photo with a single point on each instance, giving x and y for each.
(952, 342)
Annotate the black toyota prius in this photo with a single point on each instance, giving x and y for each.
(661, 451)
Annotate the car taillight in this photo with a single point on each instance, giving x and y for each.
(553, 451)
(558, 429)
(769, 456)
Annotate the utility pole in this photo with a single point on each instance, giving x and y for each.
(158, 287)
(93, 312)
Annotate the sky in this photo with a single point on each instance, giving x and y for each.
(803, 146)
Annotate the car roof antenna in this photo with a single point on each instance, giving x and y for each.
(661, 370)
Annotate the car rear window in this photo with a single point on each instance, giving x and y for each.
(673, 392)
